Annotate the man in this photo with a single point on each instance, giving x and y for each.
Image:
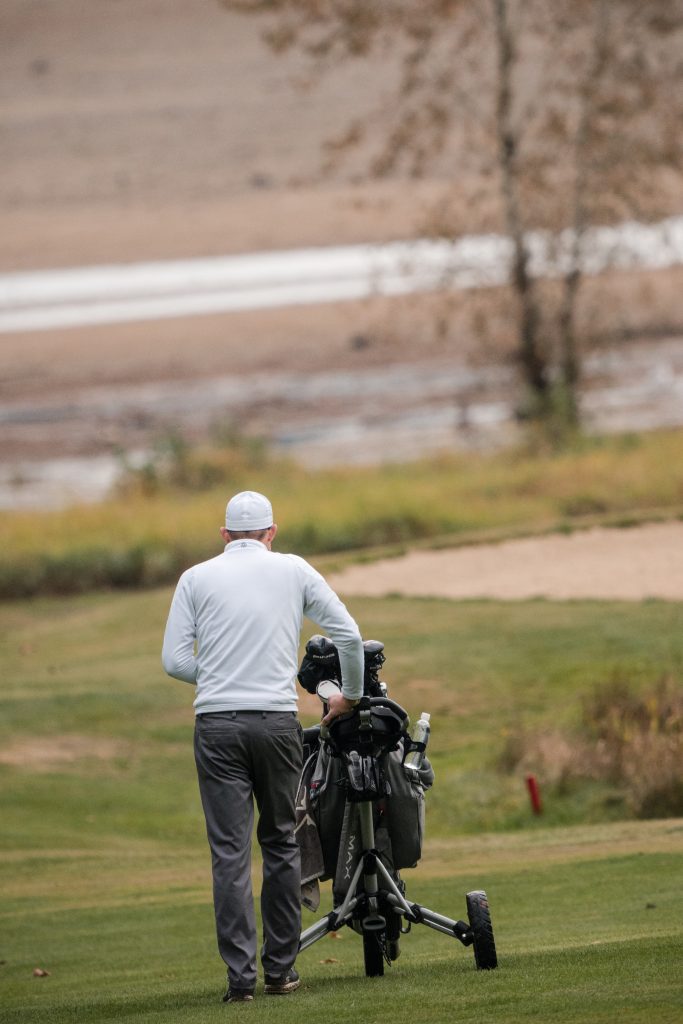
(233, 630)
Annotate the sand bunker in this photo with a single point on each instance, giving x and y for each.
(605, 564)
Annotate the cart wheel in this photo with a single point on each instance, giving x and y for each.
(393, 935)
(482, 930)
(373, 954)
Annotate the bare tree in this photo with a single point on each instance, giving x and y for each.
(573, 105)
(533, 361)
(612, 96)
(570, 363)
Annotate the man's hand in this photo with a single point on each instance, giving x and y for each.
(337, 705)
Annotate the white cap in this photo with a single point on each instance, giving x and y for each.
(248, 510)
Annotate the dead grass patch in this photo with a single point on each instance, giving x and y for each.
(43, 753)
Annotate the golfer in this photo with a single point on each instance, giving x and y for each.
(233, 630)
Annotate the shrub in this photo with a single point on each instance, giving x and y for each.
(174, 465)
(631, 741)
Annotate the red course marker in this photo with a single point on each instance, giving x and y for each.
(534, 794)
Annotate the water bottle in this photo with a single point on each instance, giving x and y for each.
(420, 734)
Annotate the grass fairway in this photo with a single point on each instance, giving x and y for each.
(105, 870)
(587, 920)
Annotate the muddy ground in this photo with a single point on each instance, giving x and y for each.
(144, 129)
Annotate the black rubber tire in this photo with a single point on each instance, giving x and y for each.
(373, 955)
(393, 933)
(484, 945)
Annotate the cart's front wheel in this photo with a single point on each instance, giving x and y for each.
(480, 922)
(373, 954)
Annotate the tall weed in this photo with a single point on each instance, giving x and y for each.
(165, 514)
(630, 741)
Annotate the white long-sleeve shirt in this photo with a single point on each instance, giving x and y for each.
(242, 614)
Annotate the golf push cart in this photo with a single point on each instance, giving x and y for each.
(360, 818)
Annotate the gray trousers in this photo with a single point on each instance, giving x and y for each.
(243, 755)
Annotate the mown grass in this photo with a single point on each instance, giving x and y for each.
(88, 667)
(148, 535)
(104, 867)
(592, 939)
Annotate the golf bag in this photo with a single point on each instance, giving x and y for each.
(334, 781)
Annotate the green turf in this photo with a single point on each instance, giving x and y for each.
(104, 869)
(593, 937)
(85, 671)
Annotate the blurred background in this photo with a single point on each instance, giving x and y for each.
(473, 221)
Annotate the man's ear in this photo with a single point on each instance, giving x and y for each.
(225, 534)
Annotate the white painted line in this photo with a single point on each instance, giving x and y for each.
(81, 296)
